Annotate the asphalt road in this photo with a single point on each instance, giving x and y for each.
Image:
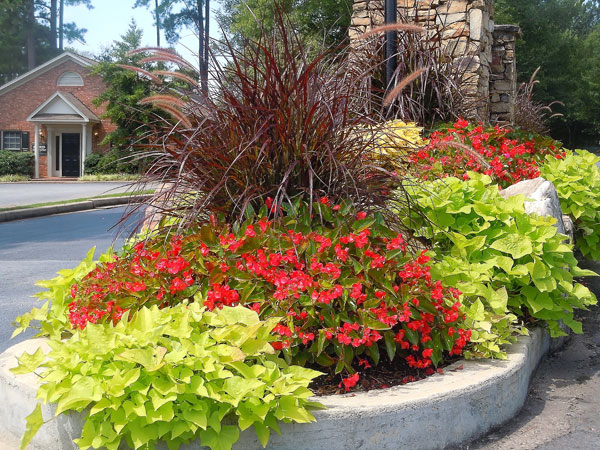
(562, 410)
(35, 249)
(20, 194)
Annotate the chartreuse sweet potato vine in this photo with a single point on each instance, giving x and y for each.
(506, 262)
(577, 180)
(174, 375)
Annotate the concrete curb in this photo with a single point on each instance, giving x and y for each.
(442, 410)
(29, 213)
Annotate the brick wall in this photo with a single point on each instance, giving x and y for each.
(17, 104)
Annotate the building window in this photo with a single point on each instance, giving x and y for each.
(15, 140)
(70, 79)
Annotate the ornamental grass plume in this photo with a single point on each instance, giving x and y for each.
(276, 122)
(443, 74)
(532, 115)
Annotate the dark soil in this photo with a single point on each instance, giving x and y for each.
(385, 375)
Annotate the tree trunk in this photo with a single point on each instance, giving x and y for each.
(157, 23)
(206, 42)
(61, 16)
(31, 57)
(53, 17)
(201, 61)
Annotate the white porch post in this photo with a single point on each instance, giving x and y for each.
(36, 149)
(50, 150)
(83, 146)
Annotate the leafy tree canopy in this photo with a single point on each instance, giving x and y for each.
(30, 32)
(318, 22)
(563, 38)
(124, 89)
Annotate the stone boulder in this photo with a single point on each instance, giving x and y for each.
(543, 200)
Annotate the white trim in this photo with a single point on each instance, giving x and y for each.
(39, 70)
(83, 140)
(70, 78)
(31, 117)
(50, 151)
(36, 149)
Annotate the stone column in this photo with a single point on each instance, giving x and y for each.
(503, 79)
(462, 29)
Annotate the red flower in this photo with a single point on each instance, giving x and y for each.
(365, 363)
(135, 287)
(349, 382)
(461, 123)
(361, 215)
(177, 285)
(250, 231)
(177, 265)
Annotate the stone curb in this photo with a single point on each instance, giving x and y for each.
(434, 413)
(29, 213)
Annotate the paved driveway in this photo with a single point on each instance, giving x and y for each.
(20, 194)
(35, 249)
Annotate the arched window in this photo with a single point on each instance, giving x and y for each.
(70, 79)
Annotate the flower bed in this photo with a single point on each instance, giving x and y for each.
(505, 154)
(295, 243)
(485, 392)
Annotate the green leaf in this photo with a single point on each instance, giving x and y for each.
(540, 302)
(29, 362)
(390, 344)
(81, 393)
(150, 358)
(498, 300)
(374, 353)
(223, 440)
(515, 245)
(363, 224)
(263, 433)
(34, 423)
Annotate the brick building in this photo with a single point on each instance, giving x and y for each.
(49, 111)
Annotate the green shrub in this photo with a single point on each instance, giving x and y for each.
(504, 260)
(577, 180)
(13, 178)
(91, 163)
(16, 163)
(171, 375)
(113, 162)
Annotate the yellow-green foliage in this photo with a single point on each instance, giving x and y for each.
(506, 262)
(401, 137)
(171, 375)
(577, 180)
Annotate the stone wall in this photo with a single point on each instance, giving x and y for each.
(466, 29)
(503, 79)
